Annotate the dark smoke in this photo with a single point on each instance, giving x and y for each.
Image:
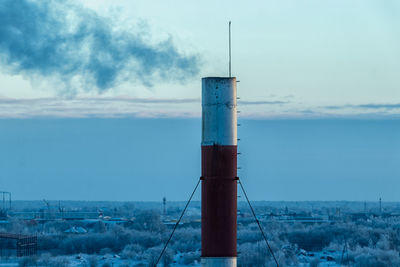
(56, 38)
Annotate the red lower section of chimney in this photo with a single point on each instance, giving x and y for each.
(219, 201)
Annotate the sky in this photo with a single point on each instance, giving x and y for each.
(90, 90)
(97, 58)
(141, 159)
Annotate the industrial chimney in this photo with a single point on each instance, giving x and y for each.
(219, 172)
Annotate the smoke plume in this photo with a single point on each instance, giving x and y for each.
(62, 39)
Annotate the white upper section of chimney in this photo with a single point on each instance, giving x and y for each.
(219, 111)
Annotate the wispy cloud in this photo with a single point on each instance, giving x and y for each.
(244, 102)
(109, 107)
(380, 106)
(124, 106)
(128, 100)
(365, 106)
(99, 99)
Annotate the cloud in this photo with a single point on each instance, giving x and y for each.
(244, 102)
(105, 107)
(380, 106)
(147, 100)
(110, 107)
(100, 99)
(365, 106)
(124, 106)
(62, 39)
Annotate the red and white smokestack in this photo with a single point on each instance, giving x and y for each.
(219, 172)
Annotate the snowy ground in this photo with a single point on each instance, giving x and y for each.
(116, 261)
(82, 261)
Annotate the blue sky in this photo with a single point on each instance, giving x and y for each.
(146, 159)
(91, 92)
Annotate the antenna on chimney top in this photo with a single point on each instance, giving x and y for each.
(230, 57)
